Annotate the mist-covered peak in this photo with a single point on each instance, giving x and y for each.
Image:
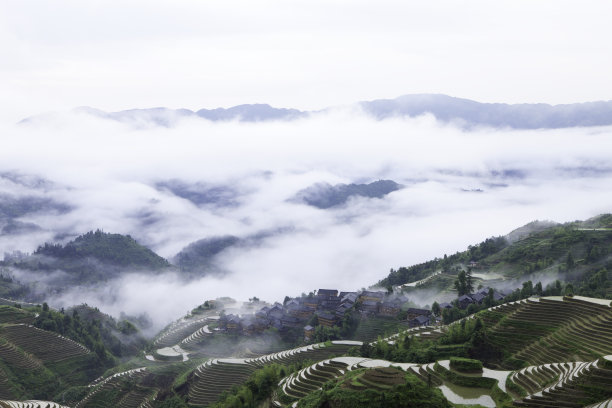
(528, 229)
(198, 257)
(250, 113)
(199, 193)
(115, 249)
(460, 111)
(471, 113)
(324, 195)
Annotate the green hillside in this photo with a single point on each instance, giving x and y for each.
(577, 252)
(93, 257)
(115, 249)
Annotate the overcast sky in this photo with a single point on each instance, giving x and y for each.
(306, 54)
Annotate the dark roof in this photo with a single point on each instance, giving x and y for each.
(498, 295)
(326, 315)
(465, 297)
(327, 292)
(413, 310)
(373, 294)
(290, 319)
(276, 313)
(478, 296)
(422, 319)
(394, 305)
(350, 298)
(446, 305)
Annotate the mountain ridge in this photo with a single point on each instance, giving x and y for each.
(461, 111)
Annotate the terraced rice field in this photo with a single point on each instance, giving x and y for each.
(196, 337)
(566, 384)
(14, 315)
(30, 404)
(136, 398)
(603, 404)
(215, 376)
(369, 329)
(44, 345)
(181, 331)
(100, 386)
(299, 384)
(5, 392)
(16, 358)
(550, 330)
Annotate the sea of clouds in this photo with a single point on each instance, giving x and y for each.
(461, 186)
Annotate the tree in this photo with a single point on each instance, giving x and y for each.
(461, 283)
(527, 289)
(538, 289)
(435, 308)
(569, 262)
(469, 282)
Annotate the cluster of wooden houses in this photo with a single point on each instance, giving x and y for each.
(474, 298)
(330, 307)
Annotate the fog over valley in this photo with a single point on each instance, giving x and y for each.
(280, 207)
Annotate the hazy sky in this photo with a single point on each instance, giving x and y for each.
(306, 54)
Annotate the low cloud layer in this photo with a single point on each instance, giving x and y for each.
(459, 188)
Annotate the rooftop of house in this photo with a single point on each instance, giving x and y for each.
(326, 315)
(369, 293)
(477, 296)
(327, 292)
(422, 319)
(413, 310)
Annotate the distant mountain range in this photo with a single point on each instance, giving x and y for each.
(464, 112)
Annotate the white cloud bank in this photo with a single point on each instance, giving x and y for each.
(107, 172)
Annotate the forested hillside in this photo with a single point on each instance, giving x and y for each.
(576, 252)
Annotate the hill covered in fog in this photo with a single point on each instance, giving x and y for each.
(448, 109)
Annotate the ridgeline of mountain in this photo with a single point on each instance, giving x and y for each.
(324, 195)
(113, 249)
(12, 207)
(445, 108)
(89, 259)
(519, 116)
(167, 117)
(198, 257)
(578, 252)
(199, 193)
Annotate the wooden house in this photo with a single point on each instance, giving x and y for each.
(326, 319)
(308, 332)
